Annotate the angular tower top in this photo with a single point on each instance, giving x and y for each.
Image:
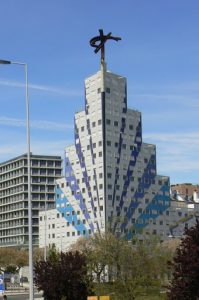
(102, 40)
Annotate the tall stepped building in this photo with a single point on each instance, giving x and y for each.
(110, 180)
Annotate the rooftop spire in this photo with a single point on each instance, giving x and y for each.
(98, 42)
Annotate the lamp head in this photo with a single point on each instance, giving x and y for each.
(5, 62)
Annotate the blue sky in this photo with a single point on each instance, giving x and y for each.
(159, 55)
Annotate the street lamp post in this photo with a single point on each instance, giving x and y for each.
(31, 287)
(45, 224)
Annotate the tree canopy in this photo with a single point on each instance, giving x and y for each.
(62, 276)
(12, 259)
(185, 266)
(121, 269)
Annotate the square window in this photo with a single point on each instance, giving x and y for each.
(131, 127)
(108, 122)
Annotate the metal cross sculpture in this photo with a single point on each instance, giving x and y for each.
(102, 40)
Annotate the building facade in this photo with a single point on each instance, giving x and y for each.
(14, 196)
(110, 181)
(186, 191)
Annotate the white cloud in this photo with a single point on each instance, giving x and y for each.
(178, 98)
(176, 152)
(38, 147)
(44, 88)
(36, 124)
(173, 137)
(49, 147)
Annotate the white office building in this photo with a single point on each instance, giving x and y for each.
(14, 196)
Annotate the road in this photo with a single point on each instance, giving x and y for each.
(23, 297)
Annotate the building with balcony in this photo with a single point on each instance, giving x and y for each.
(14, 195)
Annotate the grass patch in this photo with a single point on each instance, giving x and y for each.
(152, 296)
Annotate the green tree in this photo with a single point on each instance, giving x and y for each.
(13, 259)
(62, 276)
(185, 268)
(119, 268)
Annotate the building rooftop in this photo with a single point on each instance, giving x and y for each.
(32, 156)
